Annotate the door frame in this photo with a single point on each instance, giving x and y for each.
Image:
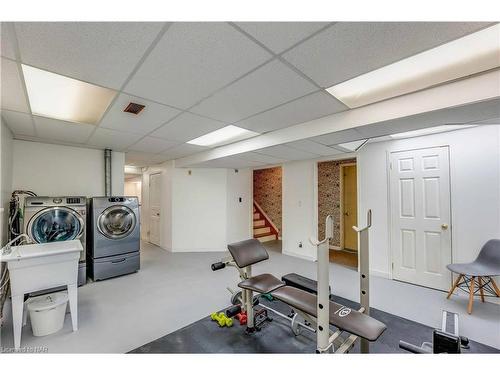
(342, 217)
(338, 157)
(389, 205)
(149, 207)
(271, 166)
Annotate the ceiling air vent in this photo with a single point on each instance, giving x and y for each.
(134, 108)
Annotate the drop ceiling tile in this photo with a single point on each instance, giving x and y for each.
(352, 146)
(147, 120)
(271, 85)
(139, 159)
(288, 153)
(7, 41)
(348, 49)
(113, 139)
(182, 151)
(62, 131)
(308, 108)
(151, 144)
(192, 60)
(186, 127)
(266, 159)
(19, 123)
(104, 53)
(278, 36)
(229, 162)
(141, 156)
(313, 147)
(13, 96)
(335, 138)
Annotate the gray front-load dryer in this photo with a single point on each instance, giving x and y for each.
(114, 238)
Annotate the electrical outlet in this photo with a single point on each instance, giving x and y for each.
(300, 244)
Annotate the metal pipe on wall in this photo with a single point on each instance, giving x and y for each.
(107, 172)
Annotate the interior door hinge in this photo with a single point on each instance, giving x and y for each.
(392, 264)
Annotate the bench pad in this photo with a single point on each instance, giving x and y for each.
(264, 283)
(344, 318)
(302, 282)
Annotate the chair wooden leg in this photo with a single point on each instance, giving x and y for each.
(471, 295)
(457, 281)
(497, 291)
(481, 292)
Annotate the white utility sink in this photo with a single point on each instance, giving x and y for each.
(38, 267)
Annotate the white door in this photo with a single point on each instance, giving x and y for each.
(154, 208)
(420, 216)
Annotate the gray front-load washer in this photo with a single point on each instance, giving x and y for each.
(114, 236)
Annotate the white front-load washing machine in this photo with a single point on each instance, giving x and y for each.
(50, 219)
(114, 237)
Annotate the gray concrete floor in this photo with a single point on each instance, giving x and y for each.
(173, 290)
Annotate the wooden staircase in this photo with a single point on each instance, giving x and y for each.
(262, 229)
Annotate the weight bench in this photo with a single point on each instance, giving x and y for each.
(309, 300)
(250, 252)
(304, 283)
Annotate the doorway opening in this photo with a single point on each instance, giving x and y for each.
(133, 186)
(267, 207)
(338, 196)
(155, 208)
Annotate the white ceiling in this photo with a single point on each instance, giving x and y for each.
(96, 52)
(309, 107)
(198, 77)
(354, 48)
(270, 85)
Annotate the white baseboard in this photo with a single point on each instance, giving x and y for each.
(202, 250)
(301, 256)
(382, 274)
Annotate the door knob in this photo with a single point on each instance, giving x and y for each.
(444, 226)
(346, 213)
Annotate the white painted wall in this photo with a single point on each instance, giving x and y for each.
(6, 153)
(475, 190)
(299, 208)
(133, 188)
(56, 170)
(239, 214)
(199, 209)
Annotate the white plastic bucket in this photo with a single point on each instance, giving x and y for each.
(47, 313)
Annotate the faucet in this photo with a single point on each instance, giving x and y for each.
(7, 249)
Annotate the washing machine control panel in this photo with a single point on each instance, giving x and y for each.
(117, 199)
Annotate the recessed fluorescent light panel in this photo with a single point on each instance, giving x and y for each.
(427, 131)
(460, 58)
(223, 136)
(53, 95)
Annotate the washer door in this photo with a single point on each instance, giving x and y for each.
(55, 224)
(116, 222)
